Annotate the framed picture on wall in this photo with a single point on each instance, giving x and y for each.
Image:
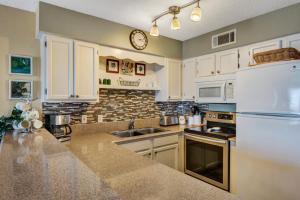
(112, 66)
(127, 67)
(21, 65)
(20, 89)
(140, 69)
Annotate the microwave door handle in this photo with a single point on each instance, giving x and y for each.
(224, 90)
(208, 140)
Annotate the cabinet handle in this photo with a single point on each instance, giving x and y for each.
(169, 97)
(218, 71)
(212, 72)
(77, 96)
(193, 97)
(71, 96)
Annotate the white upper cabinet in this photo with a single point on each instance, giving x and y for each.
(174, 79)
(293, 41)
(264, 46)
(205, 65)
(59, 68)
(69, 70)
(227, 61)
(244, 56)
(188, 80)
(169, 80)
(86, 70)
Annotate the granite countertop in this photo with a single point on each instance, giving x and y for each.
(37, 166)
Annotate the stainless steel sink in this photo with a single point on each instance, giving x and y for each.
(137, 132)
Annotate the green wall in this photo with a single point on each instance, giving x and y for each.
(80, 26)
(17, 36)
(275, 24)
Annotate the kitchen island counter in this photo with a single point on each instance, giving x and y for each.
(34, 166)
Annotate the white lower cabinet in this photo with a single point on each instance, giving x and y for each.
(167, 155)
(146, 154)
(164, 150)
(140, 146)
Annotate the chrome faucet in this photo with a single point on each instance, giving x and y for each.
(131, 124)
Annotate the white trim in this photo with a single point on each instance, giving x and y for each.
(21, 56)
(25, 81)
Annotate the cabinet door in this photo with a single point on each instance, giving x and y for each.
(264, 46)
(86, 70)
(227, 61)
(293, 41)
(167, 155)
(174, 67)
(244, 58)
(146, 154)
(188, 80)
(205, 66)
(59, 68)
(139, 146)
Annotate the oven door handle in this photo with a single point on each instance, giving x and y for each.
(208, 140)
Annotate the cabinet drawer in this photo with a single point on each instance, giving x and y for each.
(138, 146)
(162, 141)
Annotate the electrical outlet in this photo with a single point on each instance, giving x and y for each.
(83, 119)
(100, 118)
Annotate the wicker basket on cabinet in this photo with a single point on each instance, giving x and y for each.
(276, 55)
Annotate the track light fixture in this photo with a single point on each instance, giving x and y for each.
(175, 10)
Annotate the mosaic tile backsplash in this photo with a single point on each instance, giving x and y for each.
(119, 105)
(114, 105)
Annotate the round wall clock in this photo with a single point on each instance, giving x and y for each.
(138, 39)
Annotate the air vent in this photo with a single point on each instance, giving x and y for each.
(224, 39)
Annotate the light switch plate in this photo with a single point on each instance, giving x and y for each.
(83, 119)
(100, 118)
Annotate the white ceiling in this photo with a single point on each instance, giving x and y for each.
(139, 13)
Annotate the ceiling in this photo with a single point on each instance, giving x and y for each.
(139, 13)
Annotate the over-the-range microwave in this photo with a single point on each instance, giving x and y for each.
(215, 91)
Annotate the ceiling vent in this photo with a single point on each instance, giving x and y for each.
(224, 39)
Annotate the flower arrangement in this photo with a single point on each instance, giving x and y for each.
(23, 117)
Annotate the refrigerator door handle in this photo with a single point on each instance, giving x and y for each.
(270, 114)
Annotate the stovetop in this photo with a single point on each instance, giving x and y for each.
(224, 133)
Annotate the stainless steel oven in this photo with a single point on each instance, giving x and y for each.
(207, 159)
(207, 149)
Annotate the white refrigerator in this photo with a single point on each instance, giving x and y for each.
(268, 132)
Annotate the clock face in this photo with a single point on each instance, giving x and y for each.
(138, 39)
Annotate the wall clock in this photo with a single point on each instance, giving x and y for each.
(138, 39)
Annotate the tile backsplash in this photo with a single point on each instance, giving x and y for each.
(114, 105)
(179, 107)
(122, 105)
